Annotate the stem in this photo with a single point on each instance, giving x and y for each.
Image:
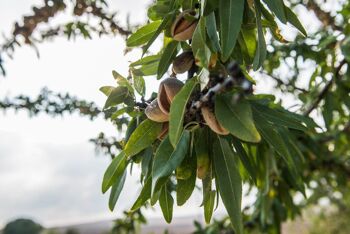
(325, 90)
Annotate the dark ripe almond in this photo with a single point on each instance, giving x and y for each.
(212, 122)
(182, 28)
(183, 62)
(165, 129)
(168, 88)
(153, 112)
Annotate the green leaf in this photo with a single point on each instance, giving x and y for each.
(167, 57)
(143, 136)
(146, 165)
(260, 53)
(143, 34)
(168, 18)
(200, 49)
(277, 117)
(237, 118)
(202, 148)
(167, 159)
(231, 16)
(145, 194)
(116, 190)
(122, 81)
(277, 7)
(210, 23)
(106, 90)
(114, 171)
(209, 206)
(184, 188)
(293, 19)
(117, 96)
(178, 109)
(208, 198)
(139, 84)
(166, 203)
(247, 162)
(229, 182)
(146, 60)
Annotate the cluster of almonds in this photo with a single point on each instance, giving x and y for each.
(158, 110)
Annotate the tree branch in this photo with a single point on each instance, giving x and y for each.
(324, 17)
(325, 90)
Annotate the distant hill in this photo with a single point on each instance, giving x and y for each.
(180, 225)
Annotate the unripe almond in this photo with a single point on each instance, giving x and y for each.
(153, 112)
(168, 88)
(182, 28)
(183, 62)
(212, 122)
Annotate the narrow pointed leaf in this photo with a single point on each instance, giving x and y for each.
(116, 190)
(229, 182)
(184, 188)
(237, 118)
(114, 171)
(293, 19)
(161, 27)
(106, 90)
(143, 136)
(231, 15)
(247, 162)
(277, 7)
(178, 109)
(116, 96)
(260, 53)
(167, 159)
(210, 23)
(167, 57)
(145, 194)
(166, 203)
(143, 34)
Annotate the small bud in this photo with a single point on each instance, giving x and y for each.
(182, 28)
(212, 122)
(168, 88)
(183, 62)
(153, 112)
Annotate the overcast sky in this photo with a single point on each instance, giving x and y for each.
(48, 169)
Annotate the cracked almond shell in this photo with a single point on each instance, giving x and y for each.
(153, 112)
(168, 88)
(212, 122)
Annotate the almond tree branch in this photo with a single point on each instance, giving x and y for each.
(325, 90)
(324, 17)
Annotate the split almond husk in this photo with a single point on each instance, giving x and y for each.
(168, 88)
(153, 112)
(182, 28)
(212, 122)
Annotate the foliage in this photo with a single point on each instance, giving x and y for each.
(21, 226)
(283, 153)
(263, 136)
(129, 224)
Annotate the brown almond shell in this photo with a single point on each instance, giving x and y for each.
(212, 122)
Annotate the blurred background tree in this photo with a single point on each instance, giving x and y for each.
(312, 72)
(21, 226)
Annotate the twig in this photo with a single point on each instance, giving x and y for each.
(324, 91)
(281, 82)
(325, 17)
